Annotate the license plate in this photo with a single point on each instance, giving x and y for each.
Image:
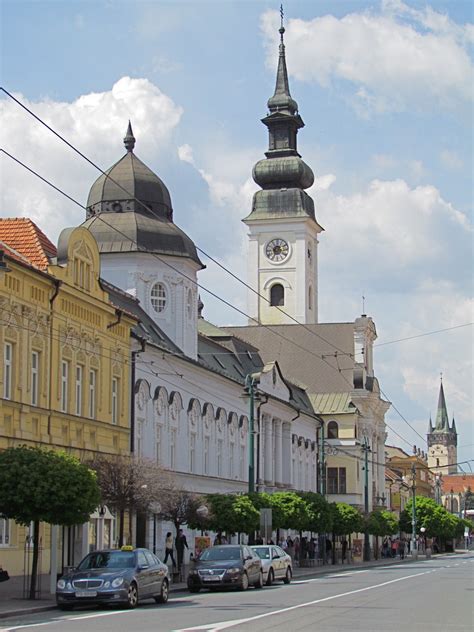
(212, 579)
(86, 593)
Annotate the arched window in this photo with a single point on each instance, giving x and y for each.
(277, 295)
(333, 430)
(158, 297)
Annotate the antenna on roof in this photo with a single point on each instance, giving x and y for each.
(363, 305)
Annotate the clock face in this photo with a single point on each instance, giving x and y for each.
(277, 250)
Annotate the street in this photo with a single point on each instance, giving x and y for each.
(435, 595)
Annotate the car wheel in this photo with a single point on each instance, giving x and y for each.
(270, 577)
(132, 596)
(164, 593)
(65, 606)
(194, 589)
(244, 584)
(259, 584)
(287, 578)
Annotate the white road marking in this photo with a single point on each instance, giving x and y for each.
(223, 625)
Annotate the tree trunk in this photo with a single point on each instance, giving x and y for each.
(121, 527)
(34, 565)
(333, 548)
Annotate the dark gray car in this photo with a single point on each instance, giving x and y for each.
(117, 576)
(226, 566)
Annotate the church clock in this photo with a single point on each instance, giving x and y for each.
(277, 250)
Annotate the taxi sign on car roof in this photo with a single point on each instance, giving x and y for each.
(126, 547)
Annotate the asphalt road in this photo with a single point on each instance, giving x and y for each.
(435, 595)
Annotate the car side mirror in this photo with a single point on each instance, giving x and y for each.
(249, 557)
(143, 567)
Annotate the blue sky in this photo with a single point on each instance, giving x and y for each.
(385, 90)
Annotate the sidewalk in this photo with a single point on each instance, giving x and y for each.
(12, 603)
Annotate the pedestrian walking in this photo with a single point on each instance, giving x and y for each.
(401, 548)
(181, 543)
(169, 549)
(344, 550)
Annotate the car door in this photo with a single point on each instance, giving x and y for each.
(143, 575)
(276, 561)
(154, 571)
(254, 564)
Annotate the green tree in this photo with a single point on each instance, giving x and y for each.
(319, 512)
(291, 510)
(232, 513)
(38, 485)
(346, 519)
(382, 522)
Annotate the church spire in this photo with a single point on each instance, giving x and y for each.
(281, 100)
(129, 139)
(442, 423)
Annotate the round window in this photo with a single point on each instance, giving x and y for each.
(158, 297)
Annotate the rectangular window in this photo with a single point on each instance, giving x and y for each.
(158, 444)
(192, 453)
(139, 437)
(242, 462)
(78, 389)
(231, 460)
(64, 386)
(4, 531)
(206, 455)
(220, 448)
(7, 370)
(115, 395)
(336, 480)
(173, 448)
(92, 392)
(34, 377)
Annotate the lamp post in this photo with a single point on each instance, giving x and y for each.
(413, 508)
(438, 489)
(250, 392)
(366, 449)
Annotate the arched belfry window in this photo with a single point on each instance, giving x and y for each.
(277, 295)
(333, 430)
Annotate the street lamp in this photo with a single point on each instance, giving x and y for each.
(366, 449)
(406, 481)
(251, 393)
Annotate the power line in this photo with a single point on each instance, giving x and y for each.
(428, 333)
(148, 210)
(165, 262)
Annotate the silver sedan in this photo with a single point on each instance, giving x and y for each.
(275, 562)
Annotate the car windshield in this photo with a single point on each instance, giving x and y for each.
(108, 559)
(221, 553)
(263, 552)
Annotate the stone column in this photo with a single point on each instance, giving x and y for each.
(278, 452)
(268, 451)
(286, 454)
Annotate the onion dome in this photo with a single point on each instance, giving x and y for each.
(129, 209)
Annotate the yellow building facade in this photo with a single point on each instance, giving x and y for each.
(65, 372)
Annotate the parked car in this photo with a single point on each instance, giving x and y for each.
(120, 576)
(275, 562)
(226, 566)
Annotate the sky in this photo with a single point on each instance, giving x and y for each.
(385, 91)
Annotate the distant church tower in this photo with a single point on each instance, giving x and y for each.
(283, 231)
(442, 440)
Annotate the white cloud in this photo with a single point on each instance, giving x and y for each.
(95, 123)
(394, 59)
(384, 161)
(323, 183)
(450, 159)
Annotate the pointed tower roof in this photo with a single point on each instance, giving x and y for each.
(282, 174)
(453, 427)
(430, 426)
(281, 100)
(442, 423)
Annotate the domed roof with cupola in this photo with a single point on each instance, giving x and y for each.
(129, 209)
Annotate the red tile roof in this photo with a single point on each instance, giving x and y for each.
(457, 483)
(22, 235)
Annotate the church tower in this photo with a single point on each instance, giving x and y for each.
(283, 231)
(442, 440)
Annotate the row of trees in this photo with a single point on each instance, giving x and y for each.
(38, 485)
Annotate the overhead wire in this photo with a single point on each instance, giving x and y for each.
(52, 130)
